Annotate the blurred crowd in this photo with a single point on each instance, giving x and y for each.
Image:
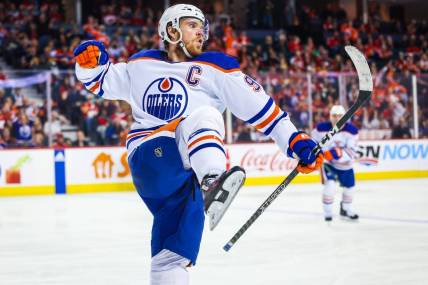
(303, 48)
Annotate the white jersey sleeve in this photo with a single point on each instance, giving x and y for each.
(247, 100)
(111, 81)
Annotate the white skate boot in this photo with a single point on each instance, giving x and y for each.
(219, 192)
(348, 215)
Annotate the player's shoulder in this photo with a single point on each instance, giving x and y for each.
(218, 60)
(148, 54)
(324, 126)
(350, 128)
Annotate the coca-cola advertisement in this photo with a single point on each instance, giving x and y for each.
(261, 159)
(391, 157)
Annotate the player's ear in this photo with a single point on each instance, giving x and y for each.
(172, 32)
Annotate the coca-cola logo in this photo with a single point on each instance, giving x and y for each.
(275, 161)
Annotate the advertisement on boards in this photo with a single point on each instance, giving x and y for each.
(25, 171)
(370, 156)
(99, 167)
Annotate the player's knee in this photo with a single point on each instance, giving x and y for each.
(169, 268)
(208, 117)
(329, 188)
(348, 191)
(167, 260)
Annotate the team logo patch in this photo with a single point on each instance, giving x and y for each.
(158, 152)
(165, 98)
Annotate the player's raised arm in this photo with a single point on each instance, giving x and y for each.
(247, 100)
(98, 74)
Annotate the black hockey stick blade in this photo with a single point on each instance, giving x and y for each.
(365, 82)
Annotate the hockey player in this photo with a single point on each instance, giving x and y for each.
(175, 147)
(338, 164)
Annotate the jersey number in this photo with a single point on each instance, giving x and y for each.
(253, 84)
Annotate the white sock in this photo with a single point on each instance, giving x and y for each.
(328, 197)
(169, 268)
(347, 197)
(202, 168)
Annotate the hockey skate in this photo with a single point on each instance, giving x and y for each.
(348, 215)
(219, 192)
(328, 219)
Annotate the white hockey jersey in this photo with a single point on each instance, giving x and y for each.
(160, 91)
(346, 140)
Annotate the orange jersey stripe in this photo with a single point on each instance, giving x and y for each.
(143, 58)
(93, 88)
(269, 119)
(171, 126)
(205, 138)
(138, 134)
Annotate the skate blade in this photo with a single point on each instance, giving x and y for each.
(232, 184)
(348, 219)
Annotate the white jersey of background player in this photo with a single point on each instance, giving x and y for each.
(175, 147)
(339, 157)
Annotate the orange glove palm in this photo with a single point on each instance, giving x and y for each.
(89, 57)
(308, 168)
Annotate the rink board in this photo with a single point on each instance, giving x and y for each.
(105, 169)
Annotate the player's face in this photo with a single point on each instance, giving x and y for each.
(335, 118)
(193, 35)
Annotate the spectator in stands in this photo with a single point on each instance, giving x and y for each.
(59, 141)
(23, 129)
(39, 139)
(423, 130)
(35, 36)
(401, 131)
(7, 138)
(55, 126)
(113, 130)
(244, 133)
(81, 139)
(398, 109)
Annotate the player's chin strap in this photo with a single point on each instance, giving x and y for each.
(180, 43)
(183, 47)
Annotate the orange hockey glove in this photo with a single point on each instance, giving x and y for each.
(300, 147)
(90, 54)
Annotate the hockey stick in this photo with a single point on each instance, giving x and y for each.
(365, 82)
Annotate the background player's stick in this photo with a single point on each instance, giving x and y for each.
(365, 90)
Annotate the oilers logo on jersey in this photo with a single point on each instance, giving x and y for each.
(166, 98)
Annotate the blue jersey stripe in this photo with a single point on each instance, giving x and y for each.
(102, 80)
(133, 139)
(202, 146)
(93, 80)
(269, 130)
(202, 131)
(152, 53)
(142, 130)
(218, 59)
(262, 112)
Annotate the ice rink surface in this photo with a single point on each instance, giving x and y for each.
(104, 239)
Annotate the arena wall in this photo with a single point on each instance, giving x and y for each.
(100, 169)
